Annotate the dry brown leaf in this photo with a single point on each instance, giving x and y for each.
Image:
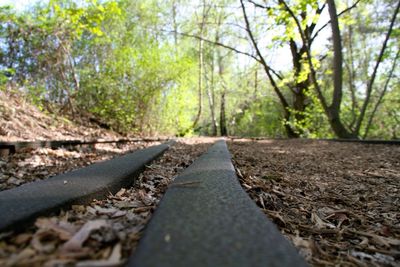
(76, 242)
(145, 198)
(364, 242)
(114, 260)
(63, 229)
(44, 241)
(128, 204)
(27, 253)
(113, 212)
(276, 216)
(319, 222)
(23, 238)
(121, 192)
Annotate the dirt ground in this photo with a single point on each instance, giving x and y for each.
(339, 203)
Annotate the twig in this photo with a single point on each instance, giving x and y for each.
(186, 184)
(326, 24)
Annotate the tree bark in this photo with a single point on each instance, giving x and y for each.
(222, 117)
(211, 100)
(334, 108)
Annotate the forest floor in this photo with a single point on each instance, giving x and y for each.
(338, 203)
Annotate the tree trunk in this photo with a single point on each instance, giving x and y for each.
(211, 100)
(200, 84)
(222, 115)
(300, 88)
(333, 111)
(200, 64)
(223, 128)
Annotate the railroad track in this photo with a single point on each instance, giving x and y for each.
(204, 219)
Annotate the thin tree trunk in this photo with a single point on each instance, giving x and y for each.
(334, 108)
(200, 84)
(381, 95)
(352, 74)
(201, 65)
(222, 117)
(261, 60)
(222, 114)
(211, 100)
(373, 76)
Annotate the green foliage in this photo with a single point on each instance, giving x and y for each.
(118, 60)
(261, 119)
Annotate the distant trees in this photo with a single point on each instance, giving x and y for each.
(109, 59)
(211, 67)
(300, 21)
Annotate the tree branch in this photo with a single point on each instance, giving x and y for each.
(263, 62)
(276, 73)
(341, 13)
(309, 59)
(258, 5)
(219, 44)
(373, 76)
(381, 95)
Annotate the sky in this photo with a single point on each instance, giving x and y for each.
(18, 4)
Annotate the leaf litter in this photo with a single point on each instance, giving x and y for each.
(105, 232)
(338, 203)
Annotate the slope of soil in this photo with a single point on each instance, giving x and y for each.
(339, 203)
(20, 120)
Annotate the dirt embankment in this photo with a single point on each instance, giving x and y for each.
(21, 120)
